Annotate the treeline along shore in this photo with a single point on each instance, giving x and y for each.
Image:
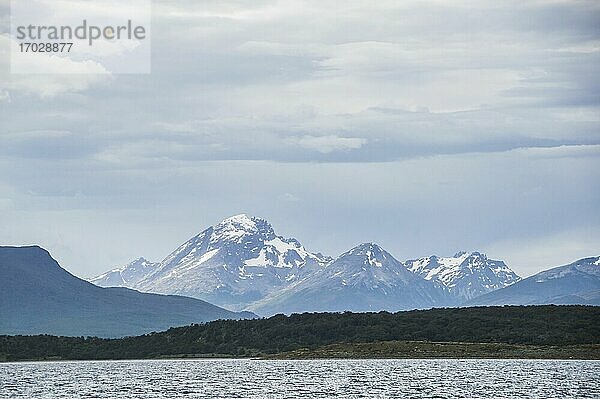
(480, 332)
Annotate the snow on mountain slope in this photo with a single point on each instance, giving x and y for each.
(125, 276)
(366, 278)
(465, 275)
(232, 264)
(588, 266)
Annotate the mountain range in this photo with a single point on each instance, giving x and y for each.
(242, 264)
(37, 296)
(364, 279)
(577, 283)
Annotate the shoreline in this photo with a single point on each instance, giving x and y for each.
(444, 350)
(401, 350)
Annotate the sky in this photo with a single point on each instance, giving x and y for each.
(427, 127)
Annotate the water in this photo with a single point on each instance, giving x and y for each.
(302, 379)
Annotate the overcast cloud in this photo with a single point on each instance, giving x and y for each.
(428, 128)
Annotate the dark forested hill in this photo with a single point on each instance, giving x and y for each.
(531, 325)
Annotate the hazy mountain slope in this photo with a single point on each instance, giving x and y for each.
(37, 296)
(465, 275)
(232, 264)
(576, 283)
(126, 276)
(366, 278)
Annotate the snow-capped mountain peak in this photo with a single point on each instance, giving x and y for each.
(372, 254)
(233, 262)
(367, 265)
(235, 228)
(467, 275)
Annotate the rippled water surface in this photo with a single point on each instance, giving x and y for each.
(302, 379)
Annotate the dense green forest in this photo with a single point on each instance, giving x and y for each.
(519, 325)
